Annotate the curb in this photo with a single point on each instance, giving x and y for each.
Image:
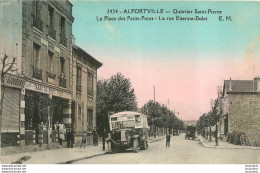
(157, 140)
(83, 158)
(219, 147)
(96, 155)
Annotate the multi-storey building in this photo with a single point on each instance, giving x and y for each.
(52, 88)
(84, 90)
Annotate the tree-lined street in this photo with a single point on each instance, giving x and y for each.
(181, 152)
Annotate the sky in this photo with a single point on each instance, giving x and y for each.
(185, 60)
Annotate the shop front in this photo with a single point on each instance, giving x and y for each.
(47, 114)
(12, 115)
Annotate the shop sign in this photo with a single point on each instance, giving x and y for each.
(47, 90)
(37, 87)
(59, 93)
(14, 81)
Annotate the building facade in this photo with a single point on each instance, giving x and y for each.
(84, 90)
(39, 34)
(240, 105)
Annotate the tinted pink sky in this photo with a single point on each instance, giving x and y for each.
(186, 61)
(188, 83)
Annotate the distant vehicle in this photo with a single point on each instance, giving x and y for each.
(190, 134)
(128, 130)
(175, 133)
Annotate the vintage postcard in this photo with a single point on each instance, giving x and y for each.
(130, 82)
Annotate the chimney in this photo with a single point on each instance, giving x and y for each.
(256, 84)
(230, 85)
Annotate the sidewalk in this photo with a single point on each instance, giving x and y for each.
(55, 156)
(223, 144)
(62, 155)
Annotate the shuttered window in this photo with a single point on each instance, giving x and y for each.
(10, 119)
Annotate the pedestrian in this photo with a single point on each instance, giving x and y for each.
(168, 140)
(84, 139)
(57, 127)
(95, 137)
(61, 134)
(72, 137)
(68, 134)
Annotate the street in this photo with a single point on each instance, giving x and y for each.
(181, 151)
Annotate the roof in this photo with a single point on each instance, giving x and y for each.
(242, 86)
(96, 62)
(125, 112)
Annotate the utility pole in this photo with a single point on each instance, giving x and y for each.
(154, 128)
(154, 93)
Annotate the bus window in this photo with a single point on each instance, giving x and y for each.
(130, 123)
(137, 120)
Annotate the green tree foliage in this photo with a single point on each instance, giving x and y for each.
(160, 116)
(210, 118)
(114, 95)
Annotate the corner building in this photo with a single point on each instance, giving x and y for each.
(39, 34)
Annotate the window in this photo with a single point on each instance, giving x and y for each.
(52, 32)
(36, 55)
(37, 22)
(90, 82)
(90, 117)
(79, 71)
(36, 8)
(63, 39)
(51, 17)
(50, 62)
(62, 26)
(63, 81)
(62, 64)
(78, 79)
(79, 111)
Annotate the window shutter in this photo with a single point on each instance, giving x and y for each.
(11, 104)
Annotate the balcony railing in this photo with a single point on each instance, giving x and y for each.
(90, 92)
(37, 73)
(78, 88)
(37, 23)
(63, 82)
(52, 33)
(63, 40)
(50, 75)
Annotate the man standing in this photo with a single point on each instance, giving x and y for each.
(168, 140)
(68, 134)
(95, 137)
(72, 137)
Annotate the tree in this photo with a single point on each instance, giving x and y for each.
(210, 119)
(114, 95)
(160, 116)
